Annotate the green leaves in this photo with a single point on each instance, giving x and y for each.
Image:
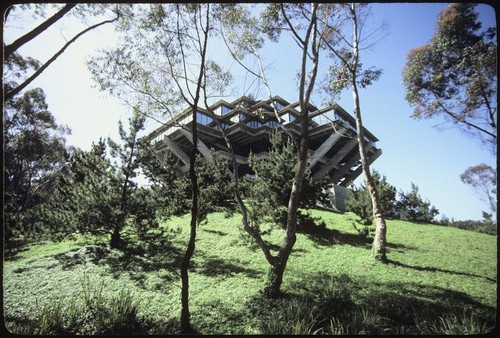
(483, 179)
(271, 187)
(34, 155)
(454, 75)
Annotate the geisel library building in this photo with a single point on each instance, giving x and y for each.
(248, 124)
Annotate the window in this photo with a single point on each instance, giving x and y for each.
(278, 105)
(203, 119)
(224, 109)
(272, 124)
(254, 124)
(288, 117)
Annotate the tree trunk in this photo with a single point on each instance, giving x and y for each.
(276, 271)
(185, 313)
(379, 242)
(275, 278)
(115, 241)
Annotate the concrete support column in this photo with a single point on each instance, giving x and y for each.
(338, 198)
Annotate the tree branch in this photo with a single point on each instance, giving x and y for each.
(16, 90)
(8, 50)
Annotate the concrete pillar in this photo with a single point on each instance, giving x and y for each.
(338, 198)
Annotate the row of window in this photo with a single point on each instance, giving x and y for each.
(223, 109)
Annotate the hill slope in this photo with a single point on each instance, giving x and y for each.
(431, 269)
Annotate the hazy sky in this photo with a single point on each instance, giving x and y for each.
(413, 151)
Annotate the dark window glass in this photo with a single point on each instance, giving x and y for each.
(224, 110)
(203, 119)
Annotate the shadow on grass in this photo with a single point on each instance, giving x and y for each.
(433, 269)
(213, 266)
(326, 237)
(217, 232)
(311, 304)
(158, 255)
(137, 257)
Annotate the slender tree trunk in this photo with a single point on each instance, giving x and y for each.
(114, 243)
(379, 242)
(185, 313)
(276, 271)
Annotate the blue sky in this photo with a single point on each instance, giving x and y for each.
(413, 151)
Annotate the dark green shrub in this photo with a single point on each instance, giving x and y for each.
(270, 190)
(411, 207)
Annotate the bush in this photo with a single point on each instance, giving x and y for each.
(270, 189)
(411, 207)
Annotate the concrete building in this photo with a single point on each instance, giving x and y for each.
(248, 124)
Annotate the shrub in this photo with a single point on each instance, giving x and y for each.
(411, 207)
(270, 189)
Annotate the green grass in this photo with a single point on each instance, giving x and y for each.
(438, 280)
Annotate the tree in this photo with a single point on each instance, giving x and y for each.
(483, 179)
(271, 187)
(216, 185)
(13, 60)
(34, 157)
(301, 21)
(454, 76)
(348, 73)
(126, 166)
(99, 195)
(169, 187)
(162, 62)
(359, 202)
(411, 207)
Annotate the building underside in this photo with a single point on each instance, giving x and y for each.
(248, 124)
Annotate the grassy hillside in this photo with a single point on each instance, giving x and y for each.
(437, 279)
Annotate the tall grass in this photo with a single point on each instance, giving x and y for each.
(87, 312)
(338, 308)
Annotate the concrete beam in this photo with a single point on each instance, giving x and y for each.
(202, 147)
(176, 150)
(345, 168)
(323, 149)
(371, 157)
(333, 162)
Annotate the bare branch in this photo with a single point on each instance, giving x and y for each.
(16, 90)
(9, 49)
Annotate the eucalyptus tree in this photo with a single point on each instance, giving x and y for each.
(162, 63)
(348, 72)
(483, 179)
(454, 75)
(14, 62)
(244, 39)
(34, 156)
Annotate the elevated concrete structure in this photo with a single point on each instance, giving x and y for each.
(248, 124)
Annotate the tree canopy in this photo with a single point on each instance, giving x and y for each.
(454, 76)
